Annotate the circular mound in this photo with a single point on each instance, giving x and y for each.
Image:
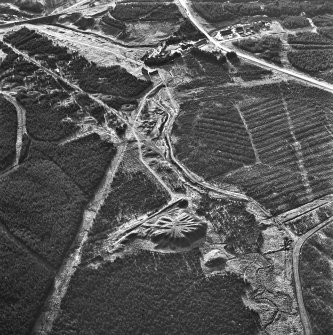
(179, 231)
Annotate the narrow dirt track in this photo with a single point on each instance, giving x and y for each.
(135, 134)
(45, 321)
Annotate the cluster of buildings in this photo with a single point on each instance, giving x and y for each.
(242, 30)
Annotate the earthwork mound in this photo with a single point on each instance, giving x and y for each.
(175, 229)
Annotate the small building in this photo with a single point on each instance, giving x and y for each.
(239, 30)
(144, 71)
(153, 72)
(148, 74)
(226, 32)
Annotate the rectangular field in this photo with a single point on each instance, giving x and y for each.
(271, 138)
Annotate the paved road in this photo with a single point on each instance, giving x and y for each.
(298, 75)
(296, 256)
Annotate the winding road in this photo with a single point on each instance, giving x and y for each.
(296, 260)
(194, 181)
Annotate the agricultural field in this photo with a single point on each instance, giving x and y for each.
(207, 150)
(231, 141)
(296, 161)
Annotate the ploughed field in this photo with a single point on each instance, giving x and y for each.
(271, 139)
